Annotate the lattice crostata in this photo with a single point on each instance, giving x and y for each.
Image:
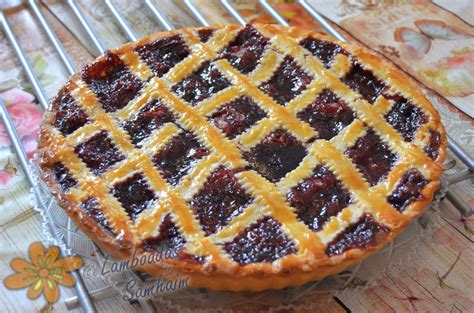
(264, 156)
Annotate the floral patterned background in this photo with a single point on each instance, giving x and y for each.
(432, 41)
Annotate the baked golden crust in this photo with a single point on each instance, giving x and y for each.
(217, 270)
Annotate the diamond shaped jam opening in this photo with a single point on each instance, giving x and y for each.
(319, 197)
(151, 117)
(288, 81)
(432, 149)
(91, 207)
(62, 176)
(405, 116)
(365, 233)
(364, 82)
(113, 84)
(277, 154)
(205, 34)
(134, 194)
(220, 199)
(163, 54)
(202, 84)
(328, 115)
(69, 116)
(237, 116)
(324, 50)
(179, 156)
(372, 157)
(168, 238)
(408, 190)
(245, 50)
(98, 153)
(263, 241)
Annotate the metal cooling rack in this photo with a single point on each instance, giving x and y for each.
(84, 297)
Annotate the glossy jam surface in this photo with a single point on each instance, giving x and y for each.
(113, 84)
(205, 34)
(365, 233)
(276, 155)
(288, 81)
(178, 157)
(219, 200)
(245, 51)
(237, 116)
(408, 190)
(364, 82)
(151, 117)
(91, 207)
(324, 50)
(68, 117)
(202, 84)
(62, 176)
(262, 241)
(328, 115)
(318, 197)
(134, 194)
(405, 117)
(168, 237)
(372, 157)
(99, 153)
(432, 149)
(163, 54)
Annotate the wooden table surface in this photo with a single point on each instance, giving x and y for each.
(438, 277)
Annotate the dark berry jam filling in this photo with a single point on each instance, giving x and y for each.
(62, 176)
(263, 241)
(245, 50)
(98, 153)
(432, 149)
(408, 190)
(163, 54)
(324, 50)
(220, 199)
(365, 233)
(288, 81)
(113, 84)
(205, 34)
(68, 117)
(134, 194)
(364, 82)
(372, 157)
(277, 154)
(151, 117)
(328, 115)
(405, 116)
(179, 157)
(318, 198)
(237, 116)
(92, 209)
(168, 237)
(202, 84)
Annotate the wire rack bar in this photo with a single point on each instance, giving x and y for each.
(26, 65)
(270, 10)
(321, 20)
(131, 35)
(77, 12)
(233, 11)
(160, 17)
(195, 12)
(71, 68)
(80, 287)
